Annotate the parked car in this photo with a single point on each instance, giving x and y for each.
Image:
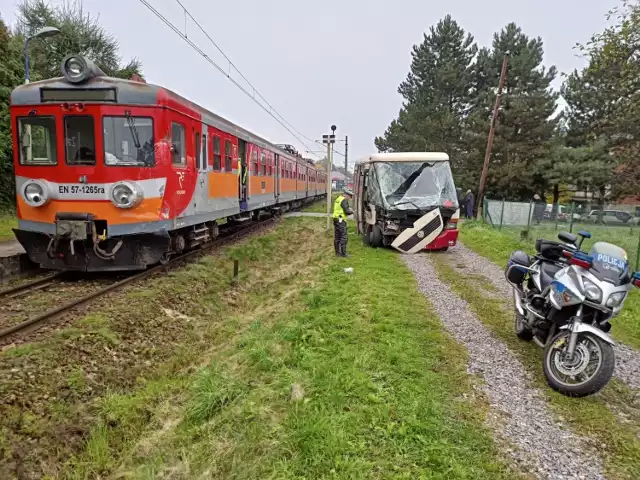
(611, 217)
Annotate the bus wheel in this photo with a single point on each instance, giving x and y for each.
(375, 236)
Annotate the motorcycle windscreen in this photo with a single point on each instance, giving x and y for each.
(424, 231)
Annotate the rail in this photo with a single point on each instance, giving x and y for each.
(34, 323)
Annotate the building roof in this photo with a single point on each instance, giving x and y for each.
(337, 176)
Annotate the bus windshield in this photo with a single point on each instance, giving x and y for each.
(416, 185)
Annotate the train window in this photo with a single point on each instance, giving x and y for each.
(198, 150)
(227, 155)
(37, 138)
(128, 141)
(178, 152)
(79, 140)
(263, 161)
(205, 160)
(256, 167)
(217, 157)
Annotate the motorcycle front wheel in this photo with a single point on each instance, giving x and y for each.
(586, 372)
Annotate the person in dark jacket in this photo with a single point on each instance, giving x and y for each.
(469, 203)
(538, 208)
(341, 210)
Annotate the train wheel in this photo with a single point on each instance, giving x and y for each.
(179, 243)
(215, 231)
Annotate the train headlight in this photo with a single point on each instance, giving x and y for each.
(35, 193)
(74, 68)
(126, 195)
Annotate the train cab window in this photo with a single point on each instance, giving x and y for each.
(79, 140)
(217, 157)
(37, 138)
(227, 155)
(178, 150)
(128, 141)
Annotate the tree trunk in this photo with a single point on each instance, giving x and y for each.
(556, 198)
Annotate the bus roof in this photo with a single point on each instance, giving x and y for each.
(406, 157)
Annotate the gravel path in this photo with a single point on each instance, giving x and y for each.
(627, 359)
(541, 443)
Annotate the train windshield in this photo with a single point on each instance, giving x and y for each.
(128, 141)
(79, 140)
(37, 140)
(416, 185)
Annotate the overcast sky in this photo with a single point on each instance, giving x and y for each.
(319, 63)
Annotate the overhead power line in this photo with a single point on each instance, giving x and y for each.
(267, 107)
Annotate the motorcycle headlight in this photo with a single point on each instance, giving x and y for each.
(35, 193)
(125, 195)
(592, 291)
(615, 299)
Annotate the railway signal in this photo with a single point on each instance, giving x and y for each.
(329, 140)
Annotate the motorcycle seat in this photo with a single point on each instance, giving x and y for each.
(547, 272)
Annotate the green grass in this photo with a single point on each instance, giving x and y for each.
(591, 416)
(7, 222)
(383, 390)
(321, 205)
(497, 246)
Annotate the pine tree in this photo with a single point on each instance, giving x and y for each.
(525, 130)
(11, 75)
(436, 93)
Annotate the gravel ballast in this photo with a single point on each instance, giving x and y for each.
(541, 443)
(627, 359)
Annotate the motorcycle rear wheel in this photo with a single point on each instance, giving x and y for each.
(560, 371)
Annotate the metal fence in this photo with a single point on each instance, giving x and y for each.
(526, 221)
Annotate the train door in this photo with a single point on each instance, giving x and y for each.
(243, 174)
(276, 177)
(201, 165)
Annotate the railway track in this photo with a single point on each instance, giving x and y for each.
(28, 287)
(35, 322)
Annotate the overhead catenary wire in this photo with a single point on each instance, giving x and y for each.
(252, 95)
(253, 88)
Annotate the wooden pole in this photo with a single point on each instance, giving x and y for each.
(492, 129)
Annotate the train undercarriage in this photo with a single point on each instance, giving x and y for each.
(80, 241)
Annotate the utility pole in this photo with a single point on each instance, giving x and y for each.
(329, 140)
(346, 156)
(492, 129)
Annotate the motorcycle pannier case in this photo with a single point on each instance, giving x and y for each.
(516, 275)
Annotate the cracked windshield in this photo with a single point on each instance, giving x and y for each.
(416, 185)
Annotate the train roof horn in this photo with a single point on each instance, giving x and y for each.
(77, 69)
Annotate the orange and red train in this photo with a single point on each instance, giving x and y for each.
(116, 174)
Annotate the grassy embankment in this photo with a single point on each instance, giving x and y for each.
(7, 222)
(611, 418)
(301, 371)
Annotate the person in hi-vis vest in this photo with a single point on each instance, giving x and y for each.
(341, 210)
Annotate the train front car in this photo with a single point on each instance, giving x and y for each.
(90, 171)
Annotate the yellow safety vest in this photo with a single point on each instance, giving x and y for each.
(338, 212)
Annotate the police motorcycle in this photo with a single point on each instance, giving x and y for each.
(564, 301)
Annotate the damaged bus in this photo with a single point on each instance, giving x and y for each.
(406, 200)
